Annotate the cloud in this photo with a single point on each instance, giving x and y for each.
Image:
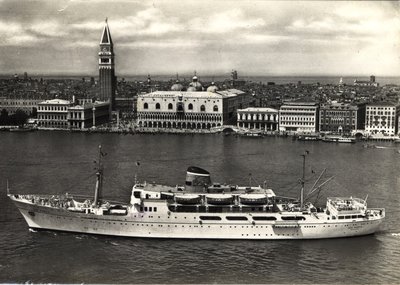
(206, 35)
(50, 28)
(225, 22)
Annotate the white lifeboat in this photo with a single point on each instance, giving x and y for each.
(253, 199)
(219, 199)
(187, 199)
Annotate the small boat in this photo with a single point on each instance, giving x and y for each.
(219, 199)
(253, 199)
(339, 139)
(253, 134)
(21, 129)
(308, 138)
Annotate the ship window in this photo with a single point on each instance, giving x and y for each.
(293, 218)
(155, 209)
(210, 218)
(264, 218)
(354, 216)
(145, 209)
(236, 218)
(141, 209)
(341, 217)
(360, 216)
(150, 209)
(347, 217)
(188, 183)
(136, 194)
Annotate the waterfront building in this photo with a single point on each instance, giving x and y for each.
(299, 117)
(11, 105)
(88, 114)
(191, 109)
(341, 118)
(263, 119)
(53, 113)
(381, 118)
(107, 77)
(371, 82)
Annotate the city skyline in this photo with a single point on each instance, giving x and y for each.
(168, 37)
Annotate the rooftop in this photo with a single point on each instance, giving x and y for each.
(56, 102)
(253, 109)
(195, 94)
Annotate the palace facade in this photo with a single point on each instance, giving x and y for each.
(341, 118)
(382, 119)
(191, 109)
(299, 117)
(263, 119)
(88, 114)
(53, 114)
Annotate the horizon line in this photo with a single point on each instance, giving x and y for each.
(241, 75)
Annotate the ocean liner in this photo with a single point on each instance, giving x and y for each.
(200, 210)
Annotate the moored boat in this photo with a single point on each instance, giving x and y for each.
(339, 139)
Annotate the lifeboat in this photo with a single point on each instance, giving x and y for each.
(187, 199)
(253, 199)
(219, 199)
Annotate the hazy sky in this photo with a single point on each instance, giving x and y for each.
(212, 37)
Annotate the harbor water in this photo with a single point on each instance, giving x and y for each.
(60, 162)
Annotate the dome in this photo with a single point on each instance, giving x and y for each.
(195, 85)
(212, 88)
(177, 86)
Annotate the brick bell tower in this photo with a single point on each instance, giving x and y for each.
(106, 68)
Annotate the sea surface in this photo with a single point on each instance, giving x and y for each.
(59, 162)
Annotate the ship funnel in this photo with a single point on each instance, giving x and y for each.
(196, 179)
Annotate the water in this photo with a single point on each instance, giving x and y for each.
(58, 162)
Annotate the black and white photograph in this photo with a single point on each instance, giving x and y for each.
(199, 142)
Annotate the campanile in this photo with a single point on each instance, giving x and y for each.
(106, 68)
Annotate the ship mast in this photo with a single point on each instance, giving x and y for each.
(302, 181)
(99, 180)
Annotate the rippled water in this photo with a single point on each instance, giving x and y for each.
(56, 162)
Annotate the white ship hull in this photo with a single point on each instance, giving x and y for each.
(165, 224)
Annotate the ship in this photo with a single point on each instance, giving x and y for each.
(201, 209)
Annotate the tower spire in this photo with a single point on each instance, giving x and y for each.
(106, 35)
(106, 67)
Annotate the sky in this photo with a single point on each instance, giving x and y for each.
(263, 38)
